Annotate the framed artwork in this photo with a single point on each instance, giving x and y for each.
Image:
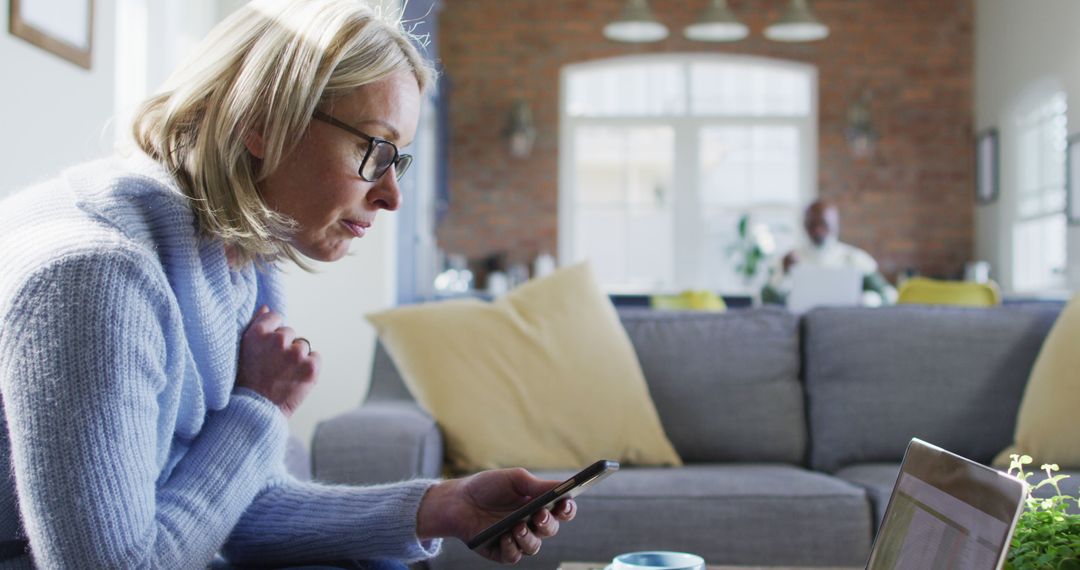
(62, 27)
(1072, 180)
(986, 167)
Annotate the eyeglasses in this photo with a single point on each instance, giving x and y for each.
(381, 153)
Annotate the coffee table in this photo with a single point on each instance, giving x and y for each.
(603, 565)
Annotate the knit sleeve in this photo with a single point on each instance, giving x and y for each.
(84, 363)
(296, 522)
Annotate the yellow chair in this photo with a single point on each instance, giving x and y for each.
(692, 300)
(923, 291)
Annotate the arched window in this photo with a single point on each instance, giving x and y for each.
(661, 156)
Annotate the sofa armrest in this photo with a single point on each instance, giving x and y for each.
(379, 442)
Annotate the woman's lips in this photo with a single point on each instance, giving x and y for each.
(358, 229)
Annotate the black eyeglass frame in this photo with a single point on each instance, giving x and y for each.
(400, 161)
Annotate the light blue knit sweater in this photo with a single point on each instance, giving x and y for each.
(124, 444)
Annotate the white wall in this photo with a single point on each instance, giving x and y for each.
(1022, 50)
(53, 113)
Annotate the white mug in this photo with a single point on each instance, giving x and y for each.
(658, 560)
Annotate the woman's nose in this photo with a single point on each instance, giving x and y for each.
(385, 194)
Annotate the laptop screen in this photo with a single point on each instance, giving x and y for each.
(946, 513)
(813, 286)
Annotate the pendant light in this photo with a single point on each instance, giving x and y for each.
(797, 25)
(717, 24)
(636, 24)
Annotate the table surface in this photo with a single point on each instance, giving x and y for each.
(603, 565)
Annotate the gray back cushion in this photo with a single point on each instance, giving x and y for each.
(952, 376)
(726, 385)
(386, 382)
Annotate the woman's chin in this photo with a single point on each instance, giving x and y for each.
(325, 252)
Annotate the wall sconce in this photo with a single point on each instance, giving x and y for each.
(520, 132)
(860, 133)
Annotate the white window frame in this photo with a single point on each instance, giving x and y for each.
(686, 172)
(1021, 123)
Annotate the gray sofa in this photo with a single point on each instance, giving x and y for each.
(791, 429)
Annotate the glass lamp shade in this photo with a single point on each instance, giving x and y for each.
(636, 24)
(717, 24)
(797, 25)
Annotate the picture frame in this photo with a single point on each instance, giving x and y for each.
(987, 179)
(62, 27)
(1072, 179)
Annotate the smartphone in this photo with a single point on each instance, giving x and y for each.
(568, 489)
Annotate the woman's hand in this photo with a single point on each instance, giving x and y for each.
(276, 363)
(461, 508)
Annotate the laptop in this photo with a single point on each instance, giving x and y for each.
(815, 286)
(947, 513)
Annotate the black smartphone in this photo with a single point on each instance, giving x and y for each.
(568, 489)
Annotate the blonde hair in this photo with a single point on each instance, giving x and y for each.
(263, 70)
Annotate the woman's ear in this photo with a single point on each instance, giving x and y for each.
(255, 144)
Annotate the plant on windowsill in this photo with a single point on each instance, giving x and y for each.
(1046, 536)
(752, 248)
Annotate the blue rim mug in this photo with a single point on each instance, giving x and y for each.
(657, 560)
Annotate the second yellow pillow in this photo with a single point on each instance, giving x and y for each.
(1047, 425)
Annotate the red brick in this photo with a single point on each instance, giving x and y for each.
(910, 205)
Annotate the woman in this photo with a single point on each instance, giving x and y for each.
(146, 369)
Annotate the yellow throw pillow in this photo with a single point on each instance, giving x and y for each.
(544, 377)
(925, 291)
(689, 300)
(1048, 426)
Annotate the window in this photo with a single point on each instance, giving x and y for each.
(661, 155)
(1039, 229)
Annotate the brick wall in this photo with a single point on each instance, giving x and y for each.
(910, 204)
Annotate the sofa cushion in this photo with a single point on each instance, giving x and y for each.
(729, 514)
(877, 479)
(726, 385)
(547, 363)
(386, 382)
(875, 378)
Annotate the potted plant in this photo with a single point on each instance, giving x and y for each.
(750, 250)
(1046, 536)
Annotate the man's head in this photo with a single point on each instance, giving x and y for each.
(822, 222)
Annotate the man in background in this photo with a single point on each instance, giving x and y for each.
(822, 224)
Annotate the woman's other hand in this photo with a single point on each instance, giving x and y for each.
(276, 363)
(462, 508)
